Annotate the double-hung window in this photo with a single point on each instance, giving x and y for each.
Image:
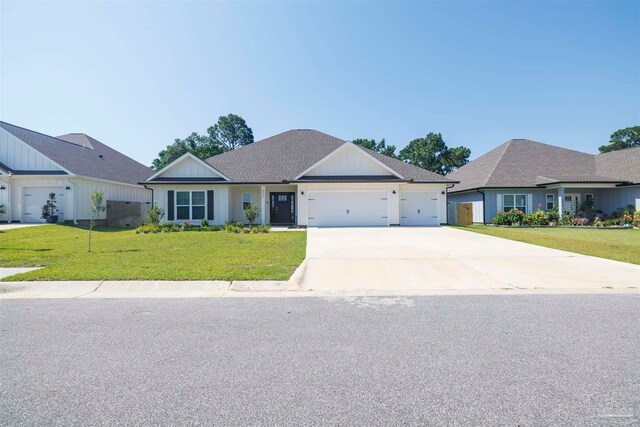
(246, 200)
(514, 201)
(190, 205)
(550, 201)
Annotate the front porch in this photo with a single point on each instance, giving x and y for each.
(278, 203)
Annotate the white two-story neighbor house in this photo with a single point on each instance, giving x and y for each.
(301, 177)
(72, 166)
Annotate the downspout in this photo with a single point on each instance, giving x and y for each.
(152, 195)
(446, 206)
(73, 200)
(484, 218)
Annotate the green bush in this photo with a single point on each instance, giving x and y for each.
(154, 215)
(187, 226)
(147, 229)
(536, 219)
(238, 227)
(512, 217)
(204, 222)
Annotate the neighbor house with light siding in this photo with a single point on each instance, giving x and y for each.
(72, 166)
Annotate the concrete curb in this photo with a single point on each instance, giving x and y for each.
(295, 281)
(248, 289)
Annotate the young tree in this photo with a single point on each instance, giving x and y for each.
(379, 147)
(154, 215)
(96, 206)
(251, 213)
(431, 153)
(231, 132)
(623, 138)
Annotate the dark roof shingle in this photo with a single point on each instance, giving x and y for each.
(284, 156)
(83, 155)
(524, 163)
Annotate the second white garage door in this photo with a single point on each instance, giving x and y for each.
(418, 208)
(33, 198)
(348, 208)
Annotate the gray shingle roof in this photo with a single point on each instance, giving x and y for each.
(284, 156)
(80, 154)
(525, 163)
(622, 164)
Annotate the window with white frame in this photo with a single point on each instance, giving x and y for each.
(246, 200)
(550, 201)
(514, 201)
(190, 205)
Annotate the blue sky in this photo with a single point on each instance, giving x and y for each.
(136, 75)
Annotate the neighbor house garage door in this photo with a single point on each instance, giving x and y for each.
(418, 208)
(33, 198)
(348, 208)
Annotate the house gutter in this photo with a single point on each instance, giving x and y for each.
(484, 218)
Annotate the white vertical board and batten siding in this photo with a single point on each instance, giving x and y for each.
(18, 155)
(188, 168)
(348, 162)
(82, 189)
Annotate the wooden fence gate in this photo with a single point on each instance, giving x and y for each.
(464, 214)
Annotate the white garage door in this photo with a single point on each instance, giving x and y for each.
(348, 208)
(418, 208)
(33, 198)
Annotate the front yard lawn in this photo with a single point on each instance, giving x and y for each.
(617, 244)
(120, 254)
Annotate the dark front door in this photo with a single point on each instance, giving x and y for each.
(283, 208)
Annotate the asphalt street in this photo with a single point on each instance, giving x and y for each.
(439, 360)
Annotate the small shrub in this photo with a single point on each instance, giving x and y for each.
(169, 227)
(147, 229)
(187, 226)
(512, 217)
(536, 219)
(204, 222)
(251, 213)
(209, 228)
(154, 215)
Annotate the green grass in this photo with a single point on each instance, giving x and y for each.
(617, 244)
(119, 254)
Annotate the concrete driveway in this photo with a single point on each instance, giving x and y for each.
(414, 259)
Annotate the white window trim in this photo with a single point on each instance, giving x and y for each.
(191, 205)
(242, 201)
(546, 200)
(514, 201)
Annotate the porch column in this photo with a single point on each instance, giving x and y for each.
(561, 201)
(263, 204)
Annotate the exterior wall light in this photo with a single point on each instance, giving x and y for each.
(67, 188)
(393, 192)
(2, 187)
(302, 193)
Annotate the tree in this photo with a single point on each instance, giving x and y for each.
(95, 207)
(379, 147)
(251, 212)
(231, 132)
(432, 153)
(623, 138)
(198, 145)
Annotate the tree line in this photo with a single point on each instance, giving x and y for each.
(429, 152)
